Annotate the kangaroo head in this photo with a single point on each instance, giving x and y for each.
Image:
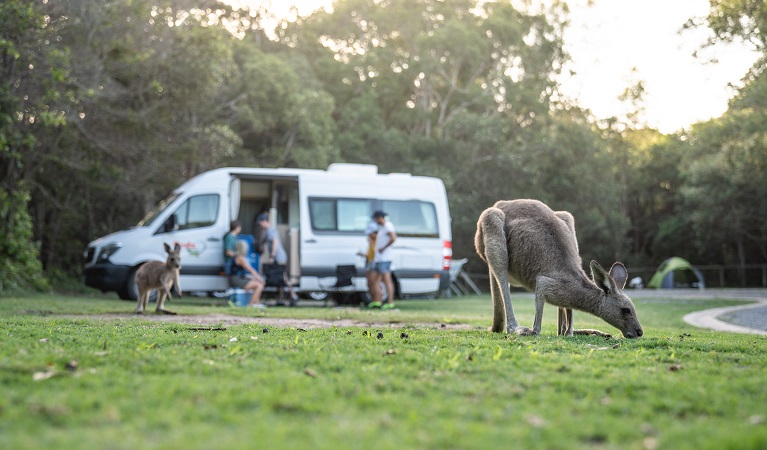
(174, 256)
(617, 309)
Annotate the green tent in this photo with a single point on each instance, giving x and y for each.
(676, 272)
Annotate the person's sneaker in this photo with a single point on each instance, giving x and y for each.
(227, 293)
(374, 305)
(388, 306)
(294, 300)
(258, 305)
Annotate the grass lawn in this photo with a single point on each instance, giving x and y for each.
(88, 383)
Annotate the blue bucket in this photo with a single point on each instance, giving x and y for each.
(240, 297)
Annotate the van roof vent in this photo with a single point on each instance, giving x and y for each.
(359, 169)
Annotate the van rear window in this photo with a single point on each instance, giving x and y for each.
(411, 218)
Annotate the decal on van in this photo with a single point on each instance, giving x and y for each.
(193, 248)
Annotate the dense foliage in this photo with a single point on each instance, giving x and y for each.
(126, 99)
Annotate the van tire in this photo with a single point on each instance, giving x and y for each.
(319, 296)
(125, 292)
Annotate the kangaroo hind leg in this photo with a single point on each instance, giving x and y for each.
(491, 241)
(162, 294)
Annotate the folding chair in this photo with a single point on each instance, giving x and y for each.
(275, 278)
(344, 286)
(274, 275)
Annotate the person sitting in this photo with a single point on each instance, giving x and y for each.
(244, 276)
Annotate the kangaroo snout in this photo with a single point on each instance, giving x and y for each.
(633, 334)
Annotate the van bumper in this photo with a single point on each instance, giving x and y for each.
(106, 276)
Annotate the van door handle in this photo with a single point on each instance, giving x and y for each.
(213, 239)
(311, 241)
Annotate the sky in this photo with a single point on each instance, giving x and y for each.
(608, 39)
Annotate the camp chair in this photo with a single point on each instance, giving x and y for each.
(275, 278)
(344, 286)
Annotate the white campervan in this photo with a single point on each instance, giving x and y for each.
(321, 217)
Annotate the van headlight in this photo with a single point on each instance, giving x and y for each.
(107, 251)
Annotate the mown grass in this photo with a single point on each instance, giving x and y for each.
(79, 382)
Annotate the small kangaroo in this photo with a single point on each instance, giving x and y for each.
(161, 276)
(526, 244)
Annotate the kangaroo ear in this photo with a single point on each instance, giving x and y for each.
(619, 274)
(177, 247)
(601, 278)
(167, 247)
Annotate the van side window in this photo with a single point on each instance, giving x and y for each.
(411, 218)
(196, 212)
(323, 214)
(340, 214)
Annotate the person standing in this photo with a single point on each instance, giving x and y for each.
(274, 253)
(273, 250)
(370, 253)
(382, 262)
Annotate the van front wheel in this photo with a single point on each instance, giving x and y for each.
(125, 291)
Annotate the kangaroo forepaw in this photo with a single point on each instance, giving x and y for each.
(167, 311)
(524, 331)
(588, 332)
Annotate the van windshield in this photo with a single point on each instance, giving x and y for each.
(411, 218)
(155, 212)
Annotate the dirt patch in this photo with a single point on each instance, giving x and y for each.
(227, 320)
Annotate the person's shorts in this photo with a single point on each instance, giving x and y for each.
(238, 281)
(370, 266)
(382, 266)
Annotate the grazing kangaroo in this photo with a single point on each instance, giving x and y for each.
(526, 244)
(160, 276)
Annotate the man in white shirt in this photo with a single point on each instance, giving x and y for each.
(382, 260)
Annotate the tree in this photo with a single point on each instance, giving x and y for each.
(452, 88)
(736, 19)
(34, 97)
(722, 171)
(279, 109)
(428, 60)
(659, 228)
